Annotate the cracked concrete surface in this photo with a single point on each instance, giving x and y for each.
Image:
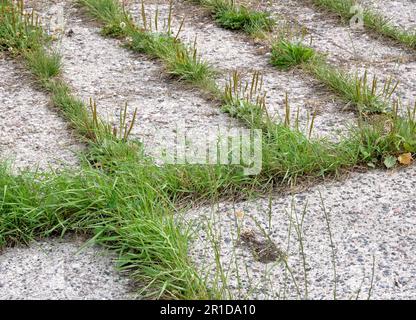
(371, 214)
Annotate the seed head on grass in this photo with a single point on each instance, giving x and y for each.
(111, 13)
(371, 19)
(286, 55)
(181, 61)
(18, 30)
(189, 69)
(356, 90)
(386, 136)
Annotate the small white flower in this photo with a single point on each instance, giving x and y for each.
(123, 25)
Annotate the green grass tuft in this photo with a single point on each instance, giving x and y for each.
(231, 16)
(18, 31)
(356, 91)
(181, 62)
(129, 204)
(44, 65)
(286, 55)
(241, 18)
(108, 11)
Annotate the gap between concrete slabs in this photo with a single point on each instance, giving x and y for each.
(34, 135)
(354, 50)
(396, 188)
(228, 51)
(98, 67)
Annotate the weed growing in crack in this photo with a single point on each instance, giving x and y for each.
(127, 203)
(387, 135)
(74, 110)
(242, 18)
(19, 30)
(111, 14)
(43, 65)
(181, 61)
(231, 16)
(371, 19)
(356, 91)
(286, 55)
(244, 100)
(288, 153)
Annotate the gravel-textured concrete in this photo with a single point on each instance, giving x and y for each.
(371, 214)
(32, 134)
(355, 50)
(401, 13)
(101, 69)
(61, 269)
(228, 51)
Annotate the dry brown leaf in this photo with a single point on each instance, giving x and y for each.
(239, 214)
(405, 158)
